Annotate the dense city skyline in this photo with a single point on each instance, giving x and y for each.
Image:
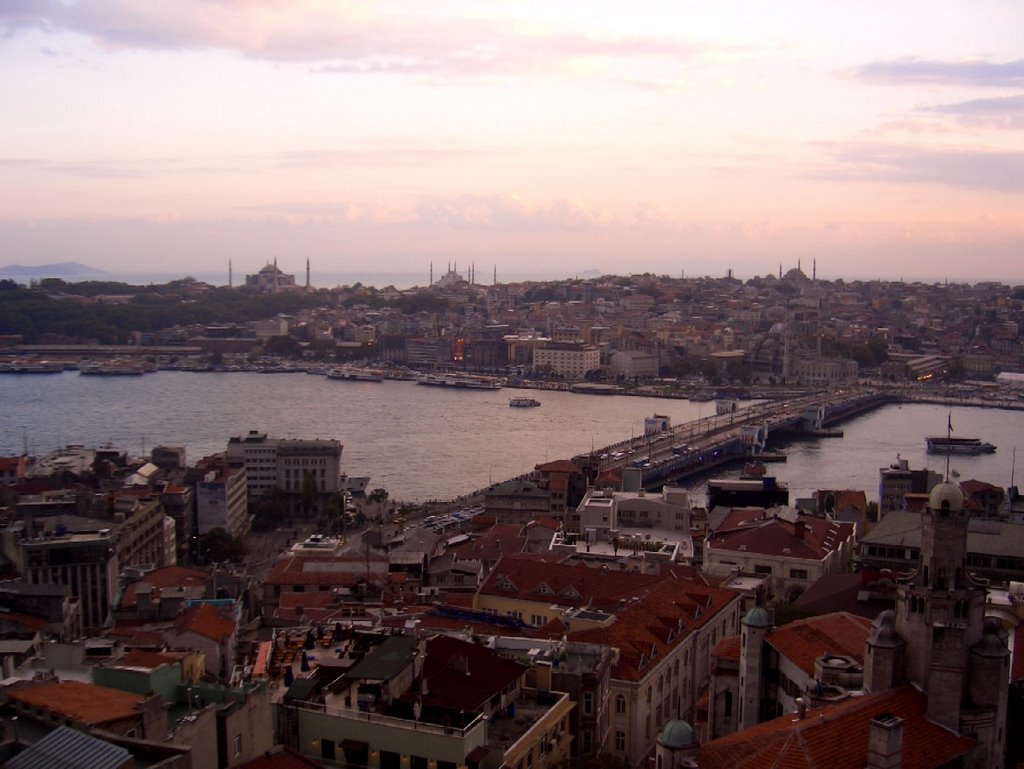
(517, 136)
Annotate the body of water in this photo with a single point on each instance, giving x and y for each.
(432, 443)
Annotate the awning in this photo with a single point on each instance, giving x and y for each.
(355, 746)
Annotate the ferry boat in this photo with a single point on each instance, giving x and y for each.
(523, 403)
(112, 369)
(355, 375)
(355, 484)
(943, 444)
(460, 381)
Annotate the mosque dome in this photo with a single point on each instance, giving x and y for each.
(677, 734)
(947, 494)
(757, 617)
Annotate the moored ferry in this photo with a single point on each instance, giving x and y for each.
(355, 374)
(460, 381)
(943, 444)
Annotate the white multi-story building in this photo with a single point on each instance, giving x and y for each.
(222, 500)
(567, 359)
(634, 364)
(286, 464)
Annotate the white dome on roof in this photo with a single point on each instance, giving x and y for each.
(946, 495)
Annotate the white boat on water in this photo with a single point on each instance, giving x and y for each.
(948, 444)
(355, 484)
(355, 374)
(460, 381)
(523, 403)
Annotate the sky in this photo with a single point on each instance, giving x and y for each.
(871, 139)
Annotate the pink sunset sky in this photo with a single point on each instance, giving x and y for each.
(883, 140)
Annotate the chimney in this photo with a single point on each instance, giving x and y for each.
(885, 742)
(800, 530)
(801, 708)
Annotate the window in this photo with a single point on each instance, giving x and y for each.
(588, 703)
(238, 745)
(762, 569)
(620, 742)
(620, 704)
(798, 573)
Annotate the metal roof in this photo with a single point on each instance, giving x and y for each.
(65, 748)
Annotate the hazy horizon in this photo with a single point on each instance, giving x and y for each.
(884, 142)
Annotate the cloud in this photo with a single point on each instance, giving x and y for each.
(84, 169)
(1001, 112)
(406, 38)
(504, 212)
(384, 155)
(1002, 171)
(970, 72)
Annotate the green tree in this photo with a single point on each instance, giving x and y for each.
(218, 546)
(270, 510)
(309, 493)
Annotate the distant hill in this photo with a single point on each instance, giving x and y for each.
(58, 270)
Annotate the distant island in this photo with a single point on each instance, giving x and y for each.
(57, 270)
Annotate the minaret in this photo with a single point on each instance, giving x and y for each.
(307, 274)
(230, 275)
(431, 273)
(495, 274)
(814, 269)
(780, 270)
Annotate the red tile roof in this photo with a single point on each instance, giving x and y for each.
(558, 466)
(774, 536)
(85, 703)
(172, 576)
(646, 630)
(335, 572)
(490, 545)
(205, 620)
(728, 648)
(488, 674)
(137, 658)
(537, 580)
(837, 737)
(803, 641)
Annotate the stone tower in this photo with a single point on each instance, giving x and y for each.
(960, 660)
(755, 627)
